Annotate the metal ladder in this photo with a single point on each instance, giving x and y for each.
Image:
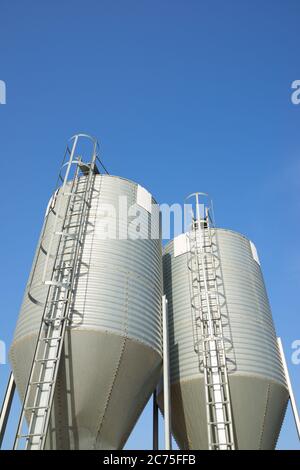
(208, 328)
(70, 208)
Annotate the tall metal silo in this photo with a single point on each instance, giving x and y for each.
(92, 309)
(228, 388)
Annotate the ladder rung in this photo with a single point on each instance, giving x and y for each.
(62, 268)
(53, 302)
(72, 236)
(75, 193)
(203, 308)
(215, 385)
(65, 285)
(220, 359)
(225, 402)
(218, 444)
(31, 408)
(205, 299)
(64, 253)
(220, 366)
(46, 360)
(72, 213)
(50, 305)
(62, 276)
(79, 198)
(220, 363)
(219, 353)
(52, 320)
(219, 422)
(46, 340)
(213, 338)
(74, 226)
(42, 383)
(61, 285)
(206, 320)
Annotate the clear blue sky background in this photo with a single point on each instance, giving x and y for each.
(184, 95)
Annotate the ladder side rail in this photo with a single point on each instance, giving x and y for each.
(203, 336)
(89, 187)
(41, 328)
(54, 289)
(52, 328)
(44, 228)
(61, 237)
(58, 349)
(217, 393)
(62, 189)
(51, 390)
(66, 215)
(214, 268)
(213, 350)
(218, 358)
(202, 267)
(42, 334)
(81, 223)
(197, 292)
(219, 320)
(38, 403)
(197, 339)
(50, 333)
(217, 294)
(42, 325)
(50, 353)
(214, 257)
(48, 251)
(222, 365)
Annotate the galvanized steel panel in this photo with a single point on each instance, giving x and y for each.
(118, 295)
(250, 343)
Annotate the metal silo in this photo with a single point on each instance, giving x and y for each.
(105, 303)
(228, 388)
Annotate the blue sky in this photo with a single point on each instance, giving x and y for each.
(183, 96)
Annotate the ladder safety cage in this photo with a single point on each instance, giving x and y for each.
(209, 342)
(69, 209)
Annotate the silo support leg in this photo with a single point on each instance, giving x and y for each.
(155, 422)
(290, 388)
(6, 406)
(166, 375)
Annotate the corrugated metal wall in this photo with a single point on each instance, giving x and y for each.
(113, 354)
(257, 386)
(250, 327)
(116, 276)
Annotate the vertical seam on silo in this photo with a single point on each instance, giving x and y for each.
(281, 421)
(119, 360)
(264, 417)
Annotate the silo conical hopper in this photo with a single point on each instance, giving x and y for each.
(112, 357)
(258, 391)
